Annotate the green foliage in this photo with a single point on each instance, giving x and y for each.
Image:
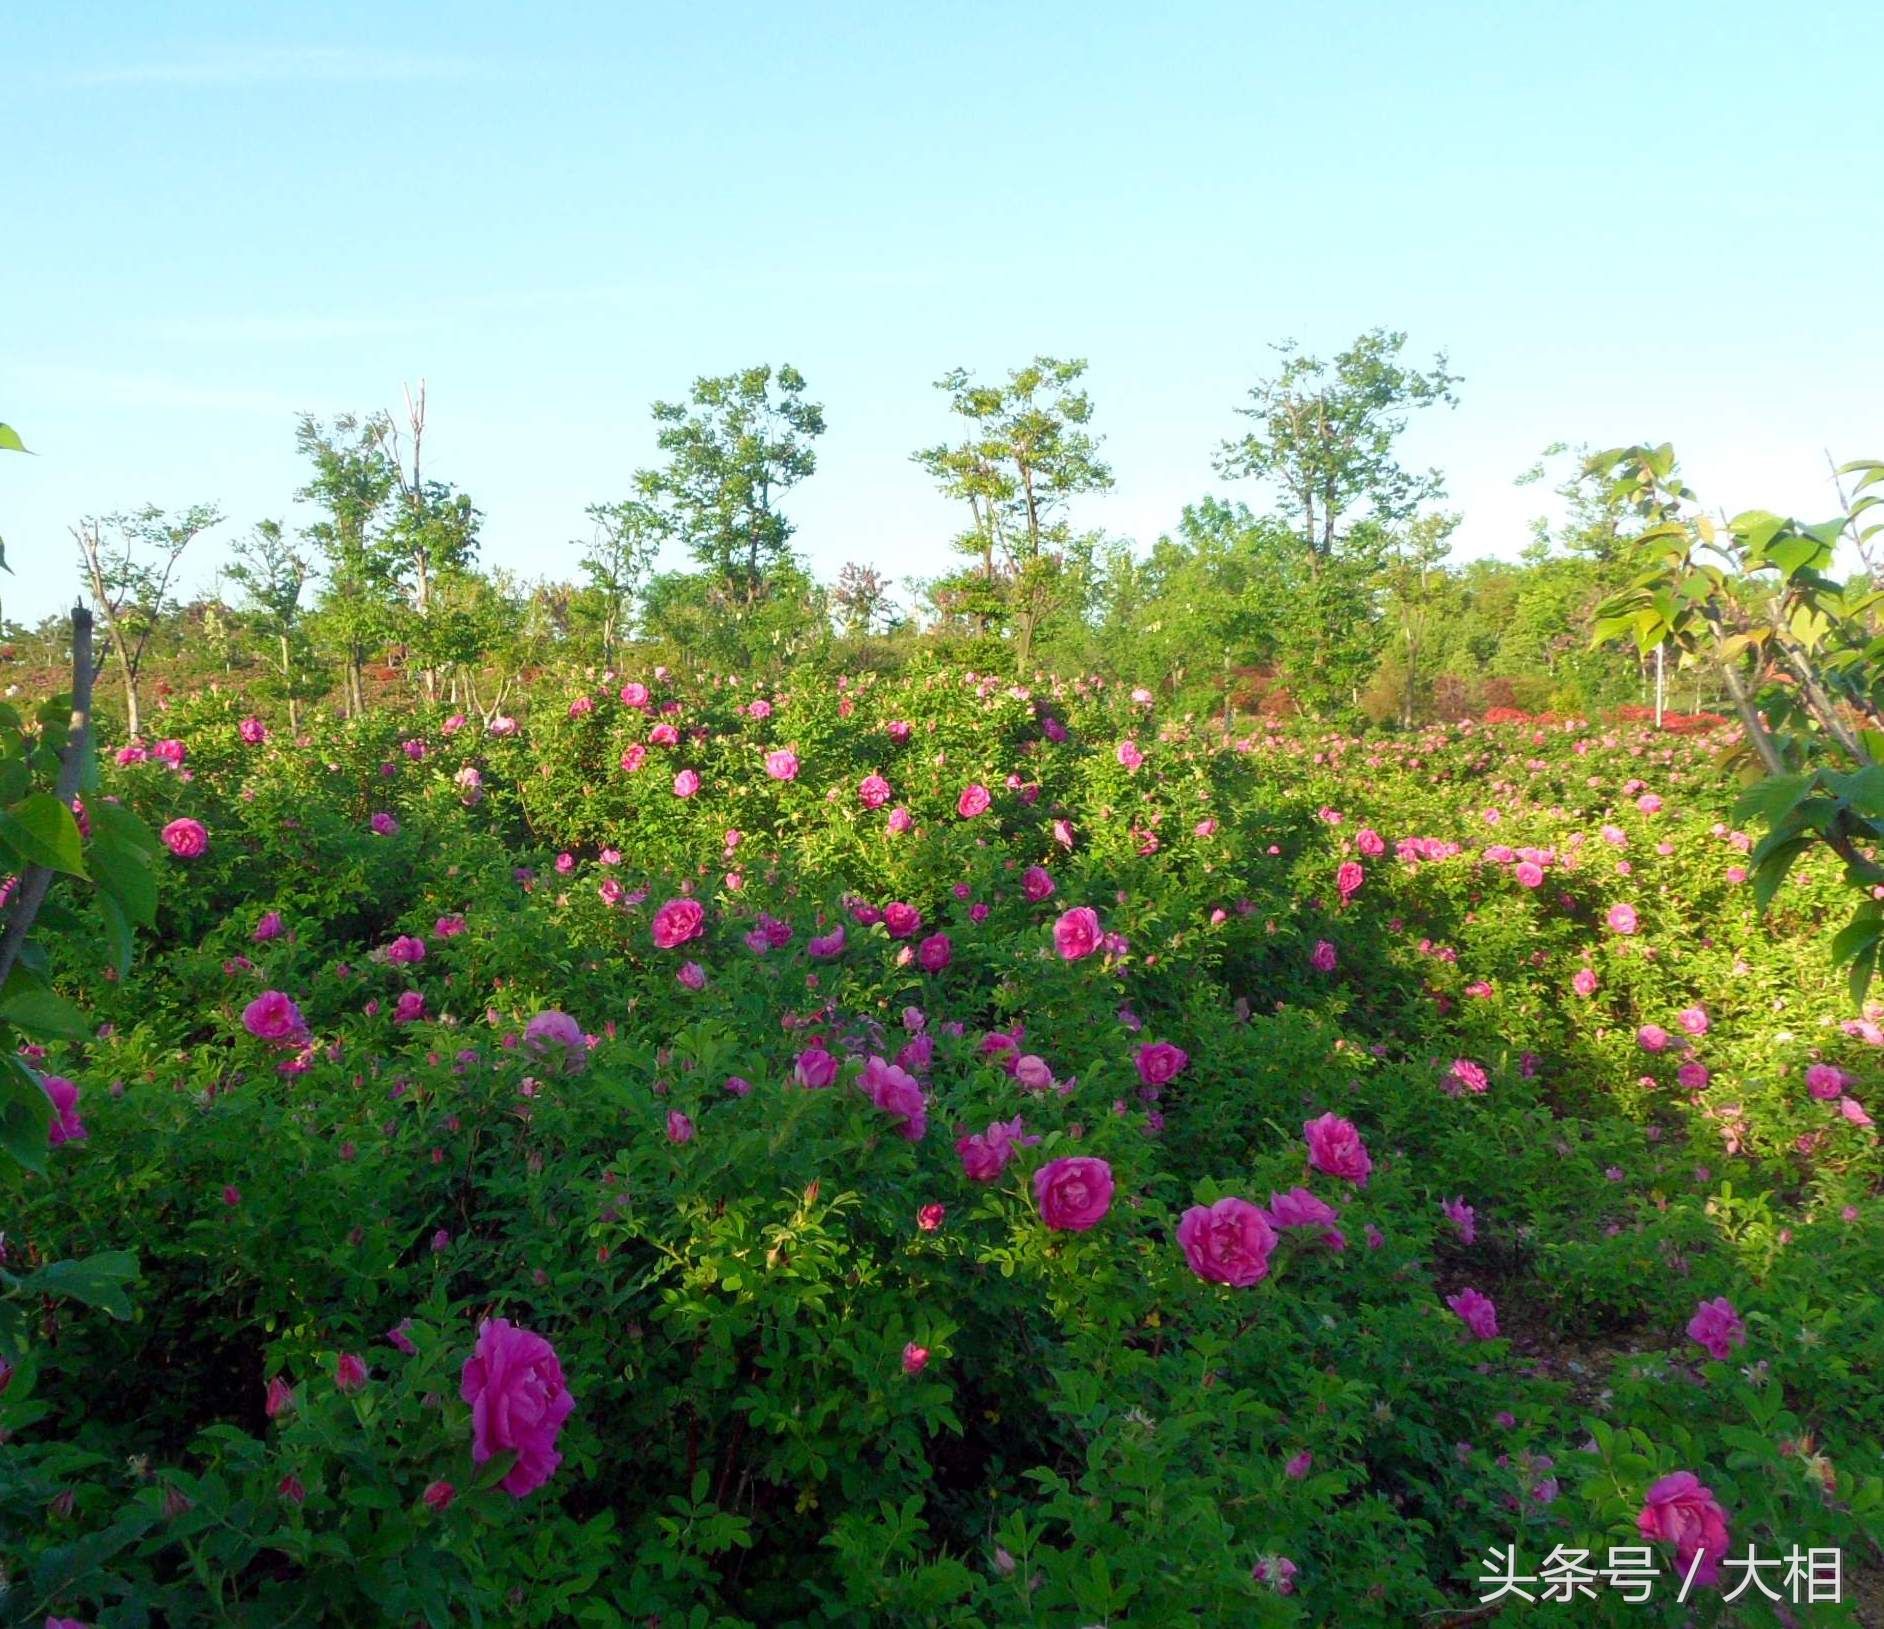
(734, 447)
(1096, 1434)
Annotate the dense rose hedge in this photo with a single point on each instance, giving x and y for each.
(922, 1151)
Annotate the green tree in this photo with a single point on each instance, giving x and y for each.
(352, 483)
(433, 532)
(1025, 453)
(734, 448)
(272, 573)
(1325, 435)
(626, 540)
(1418, 592)
(130, 562)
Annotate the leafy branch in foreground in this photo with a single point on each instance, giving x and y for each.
(1798, 651)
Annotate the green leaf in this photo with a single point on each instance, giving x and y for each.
(114, 820)
(44, 1014)
(98, 1281)
(1773, 871)
(10, 439)
(25, 1114)
(123, 873)
(41, 1013)
(1756, 528)
(42, 831)
(1773, 798)
(118, 934)
(495, 1469)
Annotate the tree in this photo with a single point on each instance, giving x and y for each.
(433, 532)
(272, 572)
(352, 481)
(1026, 453)
(733, 449)
(1417, 588)
(1325, 436)
(130, 562)
(861, 597)
(627, 538)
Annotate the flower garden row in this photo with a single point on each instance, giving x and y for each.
(802, 1155)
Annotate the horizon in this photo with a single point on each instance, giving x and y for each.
(556, 271)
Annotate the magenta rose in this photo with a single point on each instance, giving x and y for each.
(973, 801)
(1073, 1193)
(898, 1094)
(274, 1017)
(1159, 1062)
(1334, 1146)
(1229, 1242)
(66, 1125)
(1077, 933)
(678, 921)
(873, 791)
(185, 838)
(518, 1402)
(1680, 1511)
(1477, 1312)
(901, 920)
(782, 765)
(1717, 1328)
(556, 1035)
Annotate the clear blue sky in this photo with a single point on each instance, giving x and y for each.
(1620, 221)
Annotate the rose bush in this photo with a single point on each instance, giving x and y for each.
(834, 1196)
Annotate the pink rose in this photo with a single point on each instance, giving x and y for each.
(1621, 919)
(1074, 1193)
(934, 953)
(898, 1094)
(873, 791)
(686, 783)
(1824, 1081)
(556, 1035)
(1160, 1061)
(66, 1125)
(1037, 883)
(518, 1401)
(185, 838)
(1229, 1242)
(915, 1358)
(782, 765)
(1716, 1328)
(678, 921)
(1322, 958)
(274, 1017)
(973, 801)
(901, 920)
(815, 1068)
(1335, 1147)
(1680, 1511)
(1476, 1312)
(1077, 933)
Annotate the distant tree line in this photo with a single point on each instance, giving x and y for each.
(1329, 589)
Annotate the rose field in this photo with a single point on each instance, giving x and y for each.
(921, 1150)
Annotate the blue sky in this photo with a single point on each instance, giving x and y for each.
(1618, 221)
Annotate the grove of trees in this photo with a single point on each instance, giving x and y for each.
(1321, 581)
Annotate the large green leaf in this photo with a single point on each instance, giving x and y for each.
(41, 1013)
(1772, 798)
(25, 1114)
(97, 1281)
(114, 820)
(124, 873)
(41, 830)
